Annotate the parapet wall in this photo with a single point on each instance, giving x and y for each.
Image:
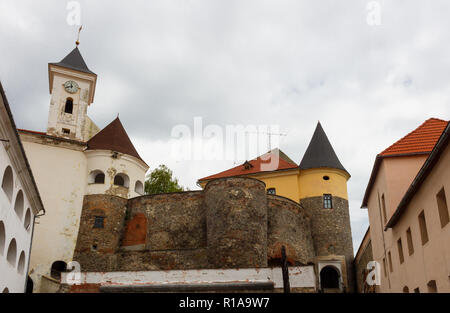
(230, 224)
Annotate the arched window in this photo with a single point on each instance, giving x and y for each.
(97, 177)
(12, 252)
(329, 278)
(139, 187)
(27, 221)
(21, 265)
(2, 237)
(405, 289)
(18, 205)
(121, 180)
(7, 182)
(69, 106)
(58, 267)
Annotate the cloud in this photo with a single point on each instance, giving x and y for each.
(292, 63)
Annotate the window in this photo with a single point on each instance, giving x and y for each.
(57, 268)
(18, 205)
(409, 241)
(423, 228)
(329, 278)
(7, 182)
(432, 288)
(12, 252)
(327, 202)
(442, 207)
(2, 237)
(416, 290)
(99, 222)
(405, 289)
(391, 268)
(66, 131)
(384, 267)
(69, 106)
(99, 178)
(139, 187)
(383, 206)
(121, 180)
(21, 265)
(27, 221)
(271, 191)
(400, 251)
(326, 178)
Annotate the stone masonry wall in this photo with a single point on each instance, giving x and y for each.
(331, 231)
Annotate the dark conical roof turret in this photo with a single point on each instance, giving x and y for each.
(74, 61)
(320, 153)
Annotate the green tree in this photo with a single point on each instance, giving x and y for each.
(161, 180)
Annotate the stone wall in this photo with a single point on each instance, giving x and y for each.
(288, 225)
(361, 271)
(331, 231)
(230, 224)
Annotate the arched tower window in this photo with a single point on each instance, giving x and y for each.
(18, 205)
(405, 289)
(7, 182)
(69, 106)
(57, 268)
(139, 187)
(329, 278)
(121, 180)
(97, 177)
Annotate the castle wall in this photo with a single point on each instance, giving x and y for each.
(288, 225)
(236, 217)
(331, 231)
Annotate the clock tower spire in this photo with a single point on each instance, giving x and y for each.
(72, 88)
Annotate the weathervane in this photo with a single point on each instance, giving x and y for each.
(78, 39)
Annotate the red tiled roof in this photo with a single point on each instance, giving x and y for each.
(31, 131)
(420, 140)
(284, 163)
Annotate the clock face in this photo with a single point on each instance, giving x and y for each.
(71, 86)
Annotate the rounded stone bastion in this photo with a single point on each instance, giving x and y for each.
(288, 225)
(236, 218)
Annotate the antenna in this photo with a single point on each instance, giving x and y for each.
(269, 136)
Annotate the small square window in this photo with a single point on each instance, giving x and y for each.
(271, 191)
(66, 131)
(99, 222)
(327, 201)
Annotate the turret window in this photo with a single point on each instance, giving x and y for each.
(99, 222)
(122, 180)
(69, 106)
(327, 201)
(271, 191)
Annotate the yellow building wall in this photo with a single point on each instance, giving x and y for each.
(312, 184)
(285, 183)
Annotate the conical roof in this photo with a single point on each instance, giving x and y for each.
(113, 137)
(320, 153)
(74, 61)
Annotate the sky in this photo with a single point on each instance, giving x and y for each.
(369, 71)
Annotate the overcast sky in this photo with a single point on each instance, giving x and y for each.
(370, 79)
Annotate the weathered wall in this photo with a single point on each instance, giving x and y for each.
(288, 225)
(236, 217)
(331, 231)
(361, 271)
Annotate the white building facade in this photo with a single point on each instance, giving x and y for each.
(20, 204)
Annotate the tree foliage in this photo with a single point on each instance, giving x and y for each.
(161, 180)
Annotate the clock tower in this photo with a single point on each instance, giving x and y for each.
(72, 89)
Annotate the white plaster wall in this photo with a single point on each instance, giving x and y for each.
(14, 228)
(126, 164)
(60, 174)
(301, 276)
